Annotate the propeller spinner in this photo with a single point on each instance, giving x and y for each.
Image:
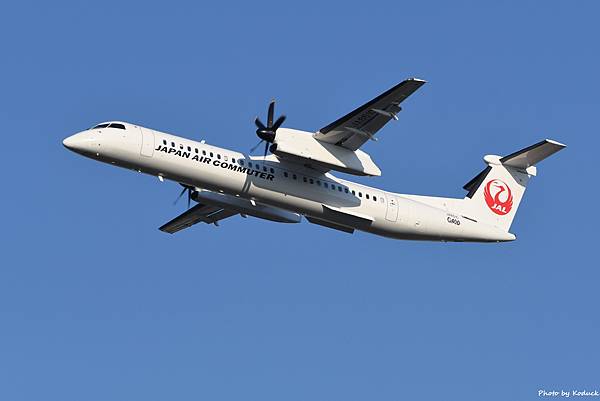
(267, 133)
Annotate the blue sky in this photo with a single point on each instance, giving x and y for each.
(97, 304)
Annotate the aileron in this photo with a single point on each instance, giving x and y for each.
(199, 213)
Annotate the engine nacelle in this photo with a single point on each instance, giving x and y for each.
(301, 147)
(245, 206)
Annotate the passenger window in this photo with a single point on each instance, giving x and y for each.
(211, 154)
(181, 146)
(374, 198)
(332, 187)
(360, 194)
(304, 179)
(165, 142)
(294, 176)
(218, 156)
(173, 144)
(272, 171)
(265, 169)
(225, 157)
(339, 188)
(204, 153)
(367, 196)
(250, 164)
(353, 193)
(241, 162)
(325, 185)
(346, 190)
(189, 148)
(285, 174)
(233, 160)
(196, 150)
(311, 180)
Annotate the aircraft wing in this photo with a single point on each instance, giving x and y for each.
(199, 213)
(354, 129)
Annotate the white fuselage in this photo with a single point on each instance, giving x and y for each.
(280, 184)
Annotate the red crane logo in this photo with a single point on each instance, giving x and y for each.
(498, 197)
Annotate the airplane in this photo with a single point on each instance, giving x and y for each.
(294, 179)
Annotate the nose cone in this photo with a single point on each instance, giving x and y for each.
(70, 142)
(80, 142)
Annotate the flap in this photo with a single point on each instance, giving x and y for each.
(346, 216)
(329, 224)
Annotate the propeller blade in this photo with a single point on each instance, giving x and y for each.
(259, 124)
(271, 113)
(267, 133)
(189, 197)
(278, 123)
(266, 149)
(257, 145)
(180, 195)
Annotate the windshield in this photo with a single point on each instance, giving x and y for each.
(109, 125)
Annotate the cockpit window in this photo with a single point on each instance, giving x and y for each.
(109, 125)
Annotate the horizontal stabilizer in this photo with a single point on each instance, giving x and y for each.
(522, 159)
(532, 155)
(495, 193)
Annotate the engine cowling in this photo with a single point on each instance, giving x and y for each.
(245, 206)
(301, 147)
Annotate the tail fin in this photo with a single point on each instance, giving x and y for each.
(495, 193)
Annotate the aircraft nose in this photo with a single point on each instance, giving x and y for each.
(76, 142)
(70, 142)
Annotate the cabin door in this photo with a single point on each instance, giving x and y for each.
(392, 208)
(147, 142)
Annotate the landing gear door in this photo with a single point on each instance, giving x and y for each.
(392, 208)
(147, 142)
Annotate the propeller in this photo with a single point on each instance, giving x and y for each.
(267, 133)
(189, 192)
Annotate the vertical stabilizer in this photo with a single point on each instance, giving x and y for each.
(495, 193)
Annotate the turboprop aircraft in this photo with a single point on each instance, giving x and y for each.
(296, 178)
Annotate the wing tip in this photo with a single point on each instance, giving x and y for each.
(415, 79)
(559, 144)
